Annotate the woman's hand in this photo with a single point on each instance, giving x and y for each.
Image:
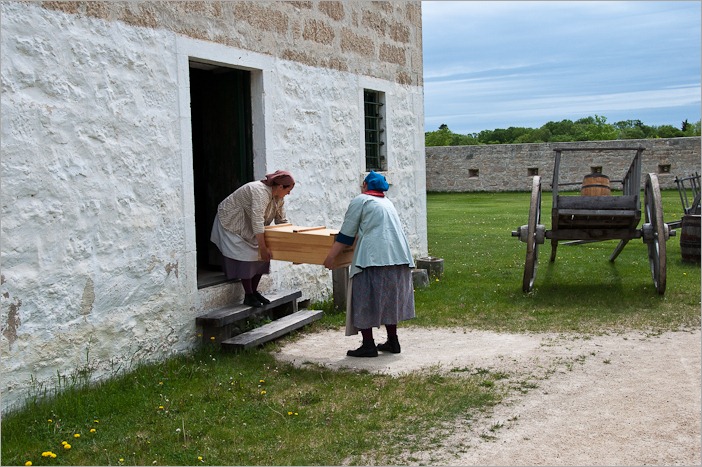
(333, 253)
(264, 253)
(329, 262)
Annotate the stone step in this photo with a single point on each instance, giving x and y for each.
(272, 330)
(219, 324)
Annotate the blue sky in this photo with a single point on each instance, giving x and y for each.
(496, 64)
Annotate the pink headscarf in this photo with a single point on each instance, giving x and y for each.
(279, 177)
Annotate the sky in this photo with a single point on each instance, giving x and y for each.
(501, 64)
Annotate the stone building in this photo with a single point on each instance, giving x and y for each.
(125, 123)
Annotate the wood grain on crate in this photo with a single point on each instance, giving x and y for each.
(300, 244)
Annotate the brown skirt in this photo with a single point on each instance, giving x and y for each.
(235, 269)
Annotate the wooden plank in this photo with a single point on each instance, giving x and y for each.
(272, 330)
(624, 202)
(308, 229)
(232, 313)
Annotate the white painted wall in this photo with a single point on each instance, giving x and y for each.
(97, 234)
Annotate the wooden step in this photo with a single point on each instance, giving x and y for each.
(272, 330)
(219, 324)
(233, 313)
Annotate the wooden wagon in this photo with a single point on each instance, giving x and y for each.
(588, 218)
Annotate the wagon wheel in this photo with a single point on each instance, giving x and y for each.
(658, 232)
(532, 253)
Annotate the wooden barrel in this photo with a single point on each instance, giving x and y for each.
(690, 238)
(595, 184)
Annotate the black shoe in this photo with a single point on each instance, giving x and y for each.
(251, 300)
(261, 298)
(366, 350)
(392, 345)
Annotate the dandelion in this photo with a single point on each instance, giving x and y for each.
(263, 391)
(66, 446)
(160, 383)
(212, 338)
(64, 443)
(51, 421)
(121, 459)
(96, 421)
(93, 430)
(200, 458)
(160, 407)
(28, 463)
(77, 435)
(261, 381)
(290, 413)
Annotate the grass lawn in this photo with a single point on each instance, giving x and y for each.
(216, 408)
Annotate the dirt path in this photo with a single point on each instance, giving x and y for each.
(625, 399)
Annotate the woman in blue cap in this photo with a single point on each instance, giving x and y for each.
(381, 291)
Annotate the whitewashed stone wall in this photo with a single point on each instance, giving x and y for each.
(509, 167)
(98, 244)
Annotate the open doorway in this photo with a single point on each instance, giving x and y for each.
(220, 106)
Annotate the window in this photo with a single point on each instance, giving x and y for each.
(664, 168)
(532, 171)
(596, 170)
(373, 104)
(473, 173)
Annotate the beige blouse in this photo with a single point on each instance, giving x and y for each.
(246, 211)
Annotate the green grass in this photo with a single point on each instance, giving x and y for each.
(248, 409)
(581, 291)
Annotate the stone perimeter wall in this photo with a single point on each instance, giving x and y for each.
(510, 167)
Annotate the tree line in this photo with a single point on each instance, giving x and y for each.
(585, 129)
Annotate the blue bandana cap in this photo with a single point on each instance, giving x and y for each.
(375, 181)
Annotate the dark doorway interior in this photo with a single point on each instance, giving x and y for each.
(220, 106)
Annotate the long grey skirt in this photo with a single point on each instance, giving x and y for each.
(382, 295)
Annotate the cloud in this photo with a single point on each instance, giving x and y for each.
(501, 63)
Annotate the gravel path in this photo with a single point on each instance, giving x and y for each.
(624, 399)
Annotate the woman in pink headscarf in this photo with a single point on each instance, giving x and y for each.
(238, 230)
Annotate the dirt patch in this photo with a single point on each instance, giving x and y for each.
(624, 399)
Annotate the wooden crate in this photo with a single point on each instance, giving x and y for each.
(309, 245)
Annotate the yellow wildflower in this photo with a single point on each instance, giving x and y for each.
(77, 435)
(28, 463)
(263, 392)
(199, 458)
(66, 446)
(93, 430)
(64, 443)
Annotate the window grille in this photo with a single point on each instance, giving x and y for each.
(374, 129)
